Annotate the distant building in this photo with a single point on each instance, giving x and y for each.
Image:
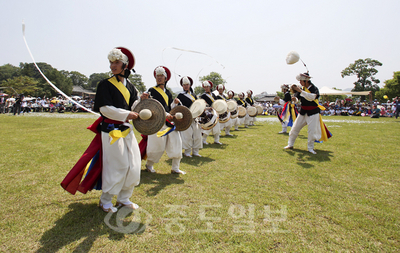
(265, 97)
(79, 91)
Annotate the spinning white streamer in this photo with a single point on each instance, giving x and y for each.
(190, 51)
(48, 81)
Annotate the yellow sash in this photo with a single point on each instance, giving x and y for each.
(243, 103)
(163, 94)
(315, 100)
(293, 111)
(121, 87)
(324, 135)
(116, 134)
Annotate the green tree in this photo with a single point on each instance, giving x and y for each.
(215, 78)
(136, 80)
(391, 88)
(365, 71)
(60, 81)
(22, 85)
(29, 69)
(198, 90)
(95, 78)
(77, 78)
(8, 71)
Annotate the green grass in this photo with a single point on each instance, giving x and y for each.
(248, 195)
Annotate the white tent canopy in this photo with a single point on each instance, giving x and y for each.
(328, 91)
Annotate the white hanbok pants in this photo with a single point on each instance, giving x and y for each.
(314, 129)
(121, 167)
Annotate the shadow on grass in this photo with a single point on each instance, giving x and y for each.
(160, 181)
(303, 157)
(84, 222)
(197, 161)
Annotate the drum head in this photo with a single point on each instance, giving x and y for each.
(252, 111)
(232, 105)
(186, 121)
(153, 124)
(259, 109)
(198, 107)
(220, 106)
(241, 111)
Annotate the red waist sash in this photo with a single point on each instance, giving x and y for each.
(308, 107)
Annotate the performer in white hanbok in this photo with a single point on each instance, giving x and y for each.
(234, 115)
(209, 97)
(172, 142)
(224, 119)
(121, 163)
(191, 137)
(241, 102)
(309, 114)
(250, 102)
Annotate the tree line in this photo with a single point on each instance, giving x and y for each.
(27, 80)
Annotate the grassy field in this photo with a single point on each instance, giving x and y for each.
(248, 195)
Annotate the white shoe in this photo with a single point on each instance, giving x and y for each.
(205, 142)
(108, 210)
(178, 171)
(282, 132)
(198, 155)
(228, 135)
(288, 147)
(129, 205)
(217, 142)
(312, 151)
(150, 169)
(187, 155)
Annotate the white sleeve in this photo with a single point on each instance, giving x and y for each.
(281, 101)
(308, 96)
(114, 113)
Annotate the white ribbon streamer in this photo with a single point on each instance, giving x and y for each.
(48, 81)
(190, 51)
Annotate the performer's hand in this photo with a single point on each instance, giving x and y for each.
(132, 115)
(144, 95)
(170, 117)
(177, 101)
(294, 99)
(296, 88)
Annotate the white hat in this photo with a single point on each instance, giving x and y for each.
(116, 55)
(220, 86)
(303, 77)
(207, 84)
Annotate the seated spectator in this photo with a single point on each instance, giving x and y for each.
(375, 112)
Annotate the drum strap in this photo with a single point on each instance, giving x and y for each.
(315, 100)
(162, 93)
(208, 95)
(190, 96)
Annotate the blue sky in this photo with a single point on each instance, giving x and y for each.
(245, 41)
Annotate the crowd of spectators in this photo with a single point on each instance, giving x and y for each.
(348, 107)
(339, 107)
(28, 104)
